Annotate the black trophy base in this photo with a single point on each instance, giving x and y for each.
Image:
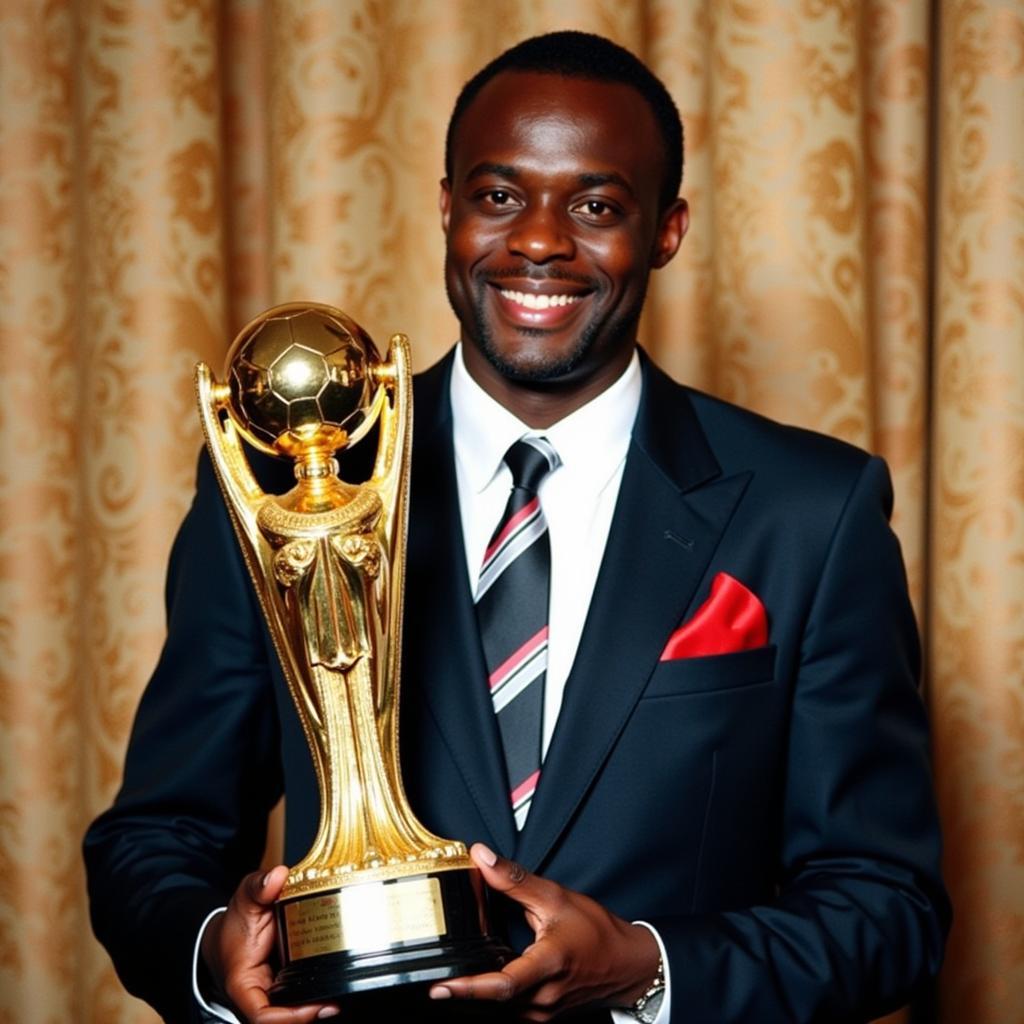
(449, 903)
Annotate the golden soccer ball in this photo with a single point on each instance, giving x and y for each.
(301, 379)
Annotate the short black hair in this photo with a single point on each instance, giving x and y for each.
(584, 55)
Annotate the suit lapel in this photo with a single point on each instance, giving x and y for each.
(440, 618)
(672, 509)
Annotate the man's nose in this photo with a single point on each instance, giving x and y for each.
(539, 234)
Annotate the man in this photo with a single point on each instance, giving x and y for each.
(734, 818)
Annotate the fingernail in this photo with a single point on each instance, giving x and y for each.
(328, 1011)
(264, 880)
(440, 992)
(487, 855)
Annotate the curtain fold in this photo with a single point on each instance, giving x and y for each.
(169, 168)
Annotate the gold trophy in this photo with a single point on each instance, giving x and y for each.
(378, 901)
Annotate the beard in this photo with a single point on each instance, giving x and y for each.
(542, 368)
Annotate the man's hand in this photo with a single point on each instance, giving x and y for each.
(237, 946)
(583, 955)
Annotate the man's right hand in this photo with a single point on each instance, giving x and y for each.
(237, 946)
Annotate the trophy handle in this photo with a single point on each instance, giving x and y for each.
(243, 498)
(244, 495)
(391, 479)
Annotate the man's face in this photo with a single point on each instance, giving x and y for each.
(553, 224)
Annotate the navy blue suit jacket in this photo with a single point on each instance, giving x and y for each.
(769, 811)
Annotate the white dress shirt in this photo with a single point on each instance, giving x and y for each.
(578, 499)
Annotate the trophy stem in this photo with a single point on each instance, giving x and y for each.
(365, 824)
(318, 487)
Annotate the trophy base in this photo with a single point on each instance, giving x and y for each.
(383, 941)
(342, 976)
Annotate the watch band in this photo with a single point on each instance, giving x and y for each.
(641, 1010)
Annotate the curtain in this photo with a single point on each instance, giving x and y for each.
(168, 168)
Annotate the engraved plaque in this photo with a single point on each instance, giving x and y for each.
(369, 916)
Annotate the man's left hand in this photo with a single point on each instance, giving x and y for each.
(582, 954)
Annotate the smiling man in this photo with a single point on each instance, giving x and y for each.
(695, 770)
(555, 210)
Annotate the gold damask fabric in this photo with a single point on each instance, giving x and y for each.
(168, 168)
(976, 536)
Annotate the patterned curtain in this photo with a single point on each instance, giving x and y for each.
(168, 168)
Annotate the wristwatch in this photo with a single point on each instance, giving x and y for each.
(645, 1009)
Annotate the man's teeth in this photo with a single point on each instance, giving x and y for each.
(533, 301)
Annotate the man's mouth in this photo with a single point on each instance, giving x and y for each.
(545, 305)
(531, 300)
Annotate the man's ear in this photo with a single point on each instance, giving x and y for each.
(671, 231)
(444, 203)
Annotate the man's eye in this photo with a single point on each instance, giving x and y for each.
(499, 197)
(596, 209)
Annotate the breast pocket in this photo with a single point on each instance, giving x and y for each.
(685, 676)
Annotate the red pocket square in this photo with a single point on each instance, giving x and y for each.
(731, 619)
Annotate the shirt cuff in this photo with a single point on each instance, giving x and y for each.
(210, 1011)
(664, 1014)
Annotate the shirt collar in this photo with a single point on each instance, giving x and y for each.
(591, 442)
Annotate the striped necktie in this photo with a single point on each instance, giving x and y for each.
(512, 611)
